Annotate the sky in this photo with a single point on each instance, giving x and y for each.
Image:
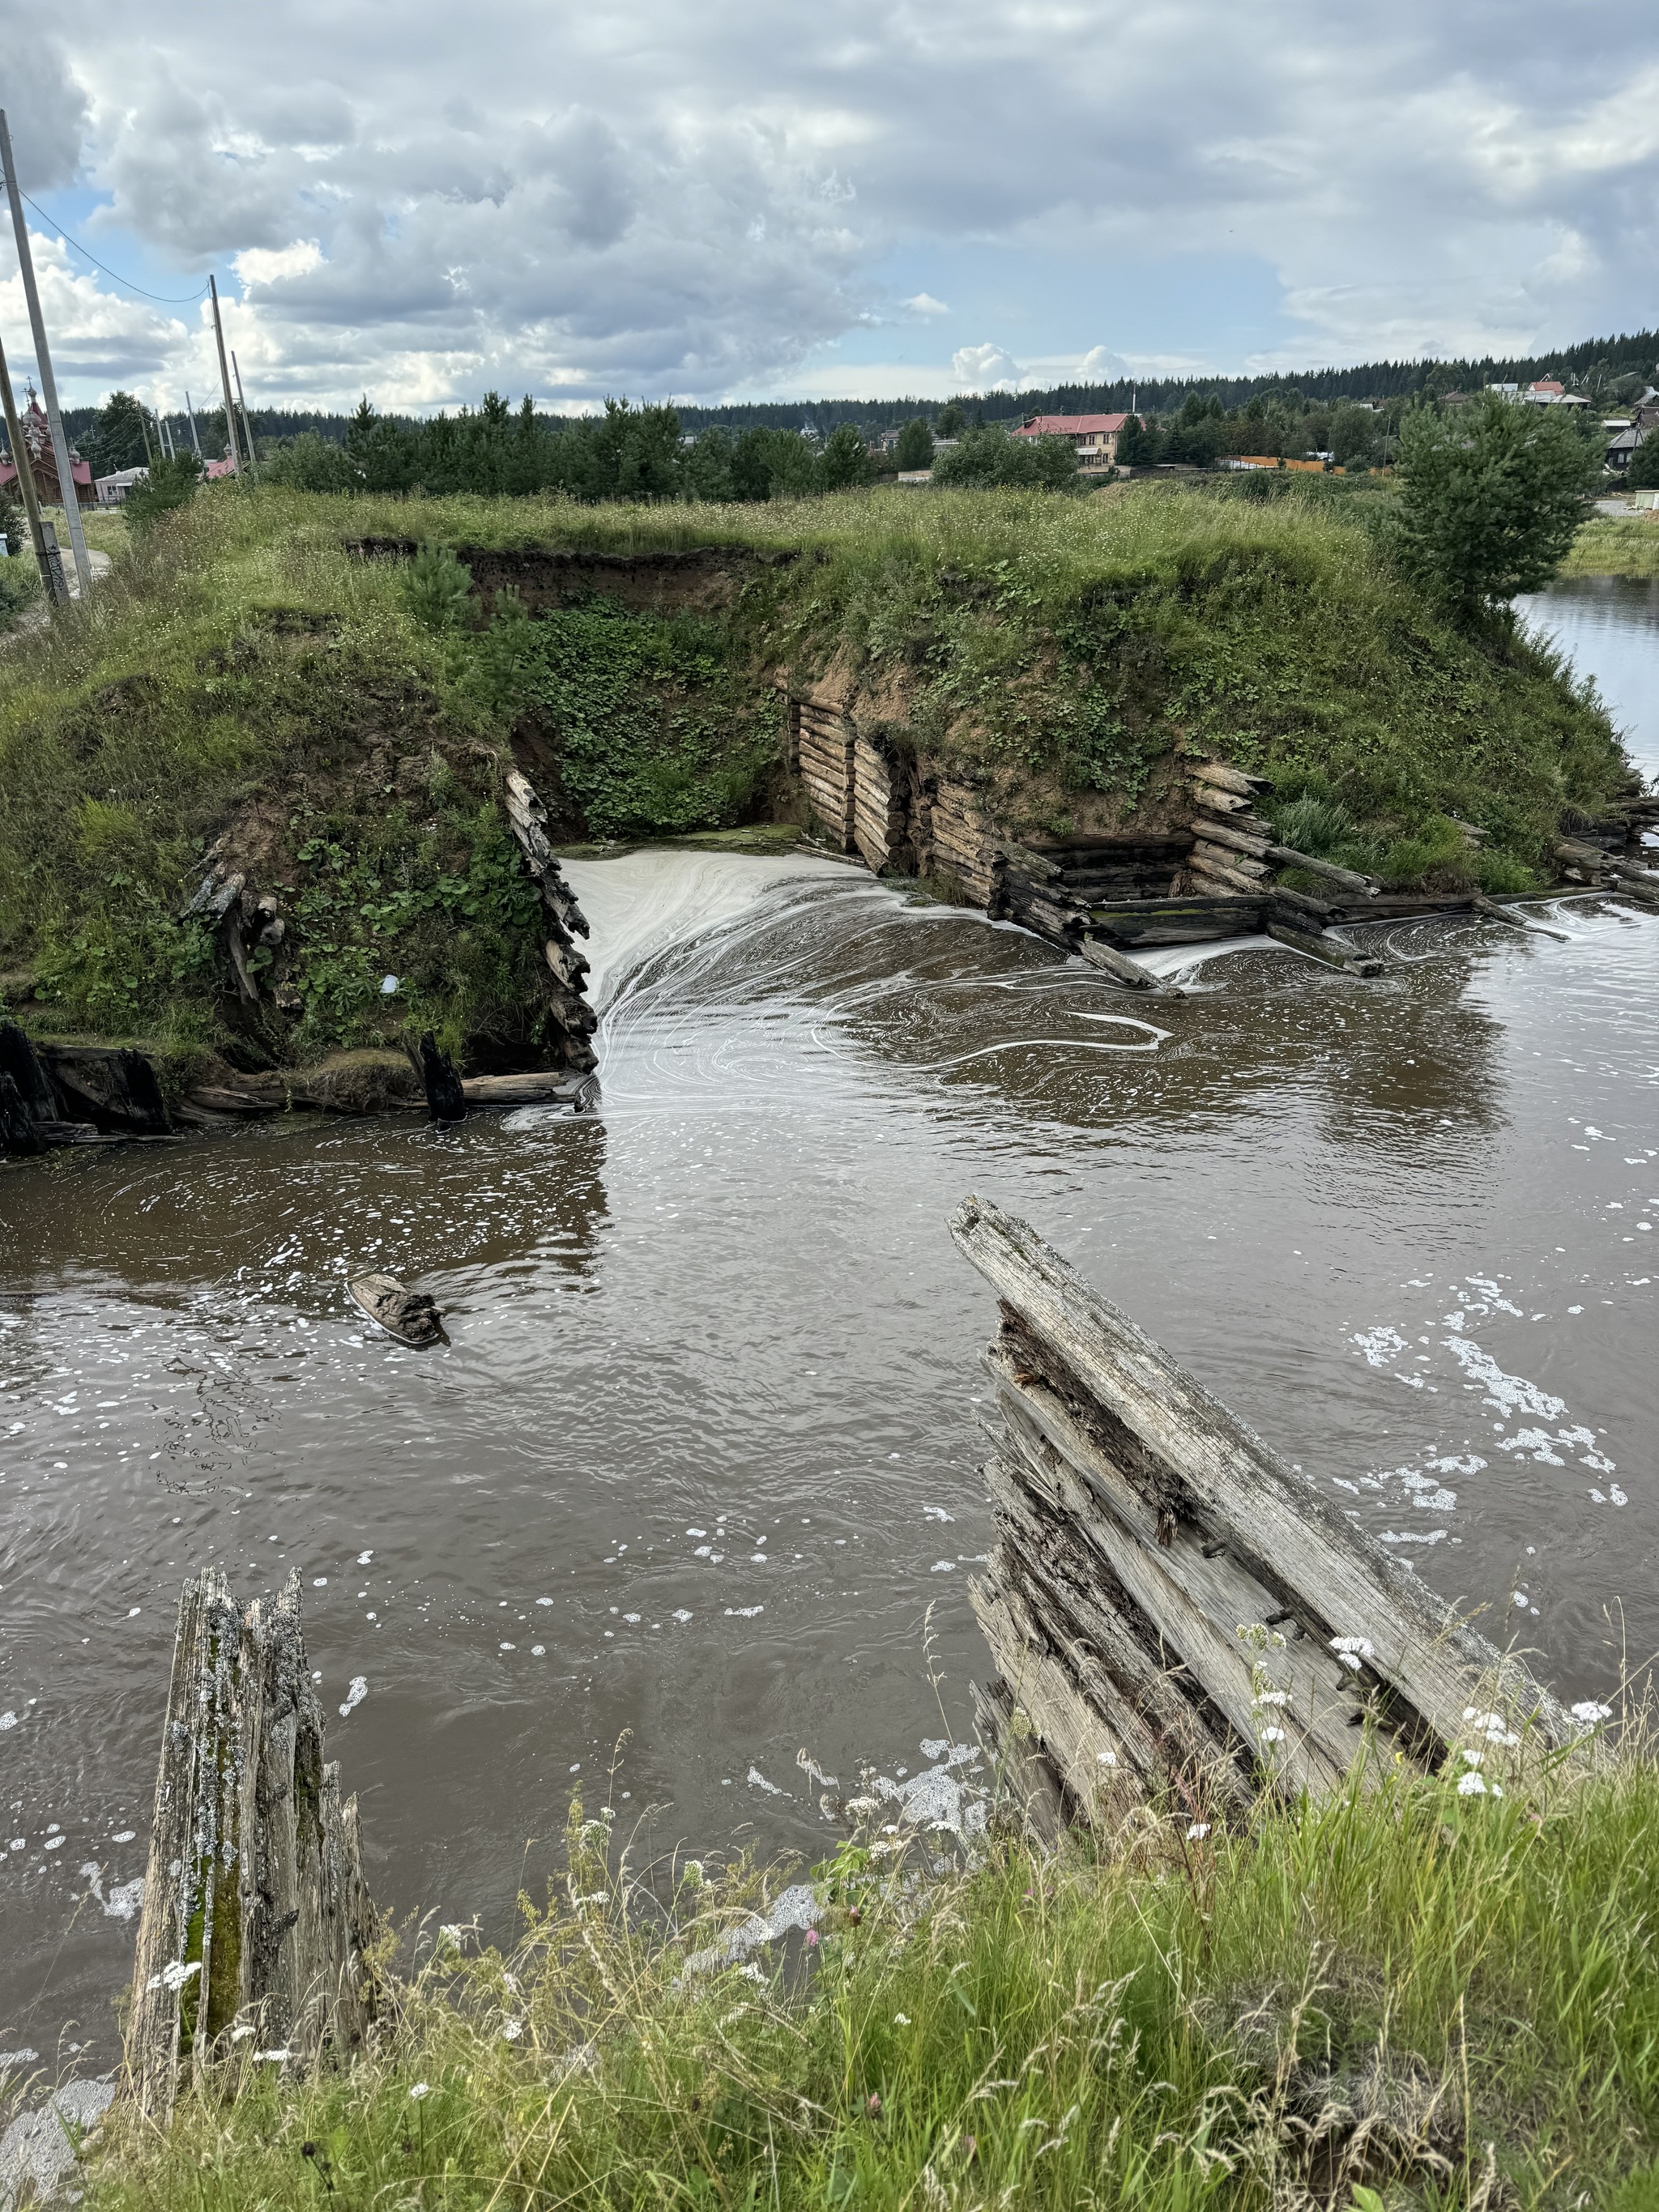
(869, 199)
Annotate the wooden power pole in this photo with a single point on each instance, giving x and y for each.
(231, 441)
(42, 362)
(49, 559)
(247, 427)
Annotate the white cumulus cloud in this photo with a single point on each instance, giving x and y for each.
(983, 367)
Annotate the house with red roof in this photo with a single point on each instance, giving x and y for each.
(1094, 437)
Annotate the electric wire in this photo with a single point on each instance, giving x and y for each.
(161, 299)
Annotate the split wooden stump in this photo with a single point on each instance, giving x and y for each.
(1174, 1614)
(256, 1921)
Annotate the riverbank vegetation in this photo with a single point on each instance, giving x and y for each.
(1609, 545)
(1416, 1994)
(246, 676)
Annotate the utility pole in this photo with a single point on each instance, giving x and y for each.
(50, 560)
(231, 452)
(247, 428)
(190, 416)
(42, 362)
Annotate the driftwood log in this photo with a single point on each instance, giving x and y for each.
(1169, 1607)
(410, 1315)
(255, 1922)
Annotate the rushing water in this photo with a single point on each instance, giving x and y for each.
(704, 1451)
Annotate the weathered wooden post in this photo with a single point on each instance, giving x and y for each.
(255, 1916)
(1172, 1610)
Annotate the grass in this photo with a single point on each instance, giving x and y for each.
(240, 672)
(1607, 546)
(1448, 2001)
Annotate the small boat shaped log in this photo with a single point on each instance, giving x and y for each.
(410, 1315)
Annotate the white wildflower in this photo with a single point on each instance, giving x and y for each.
(1474, 1757)
(900, 2019)
(420, 2089)
(1270, 1736)
(271, 2058)
(1271, 1698)
(693, 1872)
(242, 2029)
(1589, 1712)
(512, 2030)
(1106, 1759)
(1196, 1830)
(1471, 1785)
(1351, 1650)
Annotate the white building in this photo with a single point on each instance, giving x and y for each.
(112, 490)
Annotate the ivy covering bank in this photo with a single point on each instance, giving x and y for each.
(346, 722)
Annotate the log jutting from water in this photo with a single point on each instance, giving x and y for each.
(1170, 1608)
(255, 1920)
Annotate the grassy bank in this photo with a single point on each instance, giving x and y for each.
(242, 677)
(1450, 2000)
(1610, 546)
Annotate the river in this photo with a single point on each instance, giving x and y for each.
(696, 1488)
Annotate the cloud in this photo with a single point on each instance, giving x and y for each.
(263, 265)
(1100, 367)
(983, 367)
(46, 110)
(644, 198)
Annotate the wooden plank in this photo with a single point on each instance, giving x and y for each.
(1081, 1748)
(1136, 1678)
(1199, 906)
(1219, 872)
(1320, 945)
(1239, 1493)
(1222, 776)
(547, 1086)
(1239, 841)
(1345, 878)
(1224, 860)
(1020, 1772)
(1118, 965)
(1168, 1569)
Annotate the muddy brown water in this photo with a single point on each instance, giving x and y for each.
(702, 1458)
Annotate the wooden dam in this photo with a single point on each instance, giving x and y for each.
(1103, 895)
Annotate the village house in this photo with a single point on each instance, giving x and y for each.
(112, 490)
(1094, 437)
(1548, 394)
(1622, 447)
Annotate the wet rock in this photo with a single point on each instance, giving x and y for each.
(410, 1315)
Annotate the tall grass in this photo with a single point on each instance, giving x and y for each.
(1609, 547)
(1454, 1999)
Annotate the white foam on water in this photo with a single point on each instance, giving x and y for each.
(642, 902)
(1169, 960)
(37, 2150)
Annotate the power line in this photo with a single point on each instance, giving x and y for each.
(162, 300)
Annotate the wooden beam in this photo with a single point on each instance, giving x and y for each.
(1320, 945)
(1238, 1492)
(1118, 965)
